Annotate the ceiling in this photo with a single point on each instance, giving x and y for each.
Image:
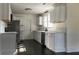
(37, 8)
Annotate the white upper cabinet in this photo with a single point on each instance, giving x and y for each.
(5, 11)
(62, 12)
(58, 13)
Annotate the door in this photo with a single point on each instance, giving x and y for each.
(25, 27)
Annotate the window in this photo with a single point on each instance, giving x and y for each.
(45, 20)
(49, 23)
(40, 20)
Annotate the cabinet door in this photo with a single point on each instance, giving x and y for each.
(59, 42)
(62, 12)
(37, 36)
(49, 41)
(6, 11)
(53, 15)
(58, 14)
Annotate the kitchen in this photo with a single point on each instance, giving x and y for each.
(54, 30)
(48, 24)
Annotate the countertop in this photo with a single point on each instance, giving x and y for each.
(51, 31)
(8, 32)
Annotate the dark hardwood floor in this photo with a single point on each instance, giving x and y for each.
(34, 48)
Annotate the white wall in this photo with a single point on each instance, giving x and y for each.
(72, 27)
(29, 25)
(2, 26)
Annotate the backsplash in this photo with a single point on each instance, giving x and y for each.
(57, 27)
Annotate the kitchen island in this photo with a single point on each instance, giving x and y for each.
(7, 43)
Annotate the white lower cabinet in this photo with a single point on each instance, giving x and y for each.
(49, 41)
(37, 36)
(55, 41)
(59, 42)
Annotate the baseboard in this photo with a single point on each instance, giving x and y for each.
(72, 50)
(50, 50)
(57, 53)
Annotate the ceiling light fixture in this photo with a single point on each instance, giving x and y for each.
(44, 3)
(27, 9)
(45, 11)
